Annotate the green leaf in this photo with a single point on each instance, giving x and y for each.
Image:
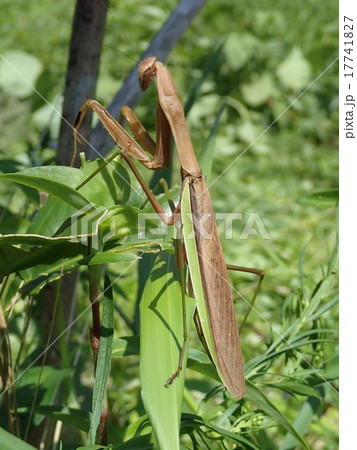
(205, 158)
(126, 252)
(37, 277)
(199, 362)
(259, 89)
(103, 361)
(326, 199)
(207, 70)
(295, 387)
(112, 185)
(113, 175)
(137, 443)
(192, 422)
(306, 414)
(19, 71)
(10, 442)
(72, 417)
(47, 378)
(259, 399)
(50, 179)
(161, 337)
(294, 72)
(125, 346)
(50, 217)
(123, 220)
(15, 259)
(31, 239)
(239, 48)
(94, 447)
(61, 182)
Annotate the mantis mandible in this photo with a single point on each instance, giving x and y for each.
(225, 351)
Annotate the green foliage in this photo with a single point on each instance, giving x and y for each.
(241, 67)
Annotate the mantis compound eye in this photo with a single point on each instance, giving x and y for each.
(147, 71)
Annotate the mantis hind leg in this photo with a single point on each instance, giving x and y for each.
(260, 274)
(181, 266)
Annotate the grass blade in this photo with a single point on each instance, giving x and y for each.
(257, 397)
(103, 362)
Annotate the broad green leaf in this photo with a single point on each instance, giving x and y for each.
(52, 179)
(139, 427)
(40, 257)
(199, 362)
(113, 175)
(123, 220)
(161, 337)
(15, 259)
(72, 417)
(112, 185)
(50, 217)
(34, 284)
(259, 89)
(125, 346)
(109, 257)
(239, 48)
(128, 251)
(294, 72)
(43, 251)
(36, 276)
(61, 182)
(48, 379)
(19, 72)
(10, 442)
(8, 254)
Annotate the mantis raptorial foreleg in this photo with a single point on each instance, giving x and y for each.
(169, 119)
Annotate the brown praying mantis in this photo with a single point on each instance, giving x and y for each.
(219, 333)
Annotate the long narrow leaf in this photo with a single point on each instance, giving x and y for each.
(306, 415)
(103, 362)
(257, 397)
(161, 337)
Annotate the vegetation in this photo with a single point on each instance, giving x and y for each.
(269, 109)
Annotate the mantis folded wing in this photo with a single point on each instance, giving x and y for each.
(211, 287)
